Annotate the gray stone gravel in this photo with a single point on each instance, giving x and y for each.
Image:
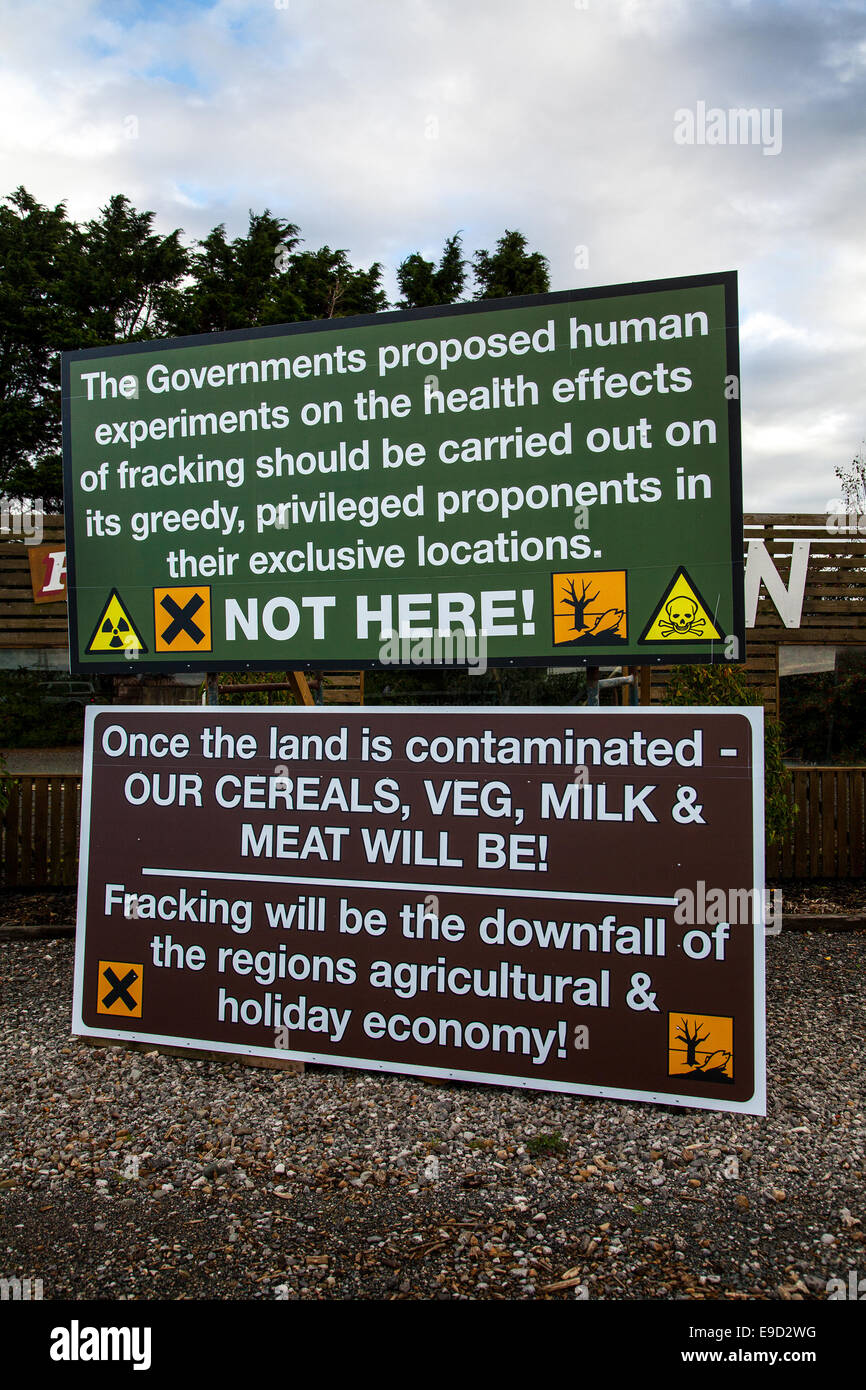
(126, 1174)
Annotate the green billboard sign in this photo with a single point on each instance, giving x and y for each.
(546, 480)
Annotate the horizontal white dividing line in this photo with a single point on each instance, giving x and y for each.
(528, 892)
(729, 752)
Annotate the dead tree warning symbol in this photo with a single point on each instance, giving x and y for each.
(589, 608)
(701, 1045)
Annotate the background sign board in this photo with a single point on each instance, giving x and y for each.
(47, 572)
(545, 898)
(560, 473)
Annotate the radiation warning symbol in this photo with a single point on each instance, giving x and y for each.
(701, 1046)
(589, 608)
(182, 618)
(119, 988)
(115, 631)
(681, 615)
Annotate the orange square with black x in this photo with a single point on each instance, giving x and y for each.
(182, 619)
(119, 989)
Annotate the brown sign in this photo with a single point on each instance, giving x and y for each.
(48, 573)
(563, 899)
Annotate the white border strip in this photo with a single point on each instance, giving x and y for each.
(399, 886)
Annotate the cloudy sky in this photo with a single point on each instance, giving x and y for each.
(592, 126)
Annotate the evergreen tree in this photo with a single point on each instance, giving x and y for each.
(323, 285)
(261, 279)
(37, 248)
(511, 269)
(234, 283)
(126, 275)
(64, 287)
(422, 284)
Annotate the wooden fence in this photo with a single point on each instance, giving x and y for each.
(39, 831)
(828, 839)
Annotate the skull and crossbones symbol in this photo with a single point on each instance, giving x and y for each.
(681, 618)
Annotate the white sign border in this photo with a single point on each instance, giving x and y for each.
(755, 1105)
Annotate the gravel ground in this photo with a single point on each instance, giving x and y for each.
(126, 1174)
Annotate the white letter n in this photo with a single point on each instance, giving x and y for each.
(760, 567)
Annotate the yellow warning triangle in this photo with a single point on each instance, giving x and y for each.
(681, 615)
(115, 632)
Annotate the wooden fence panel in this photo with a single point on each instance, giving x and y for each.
(40, 827)
(71, 821)
(801, 827)
(10, 820)
(857, 860)
(842, 845)
(39, 832)
(787, 852)
(55, 815)
(25, 830)
(828, 837)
